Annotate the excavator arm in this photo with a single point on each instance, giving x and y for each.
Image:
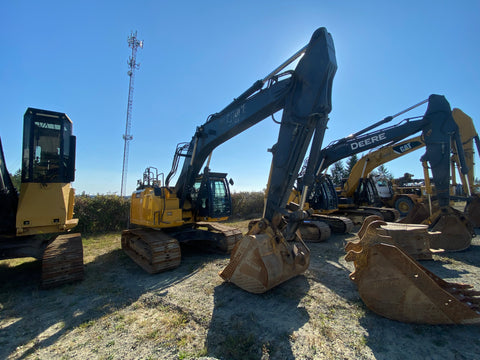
(305, 97)
(264, 258)
(438, 129)
(372, 160)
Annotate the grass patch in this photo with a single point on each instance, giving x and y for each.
(94, 246)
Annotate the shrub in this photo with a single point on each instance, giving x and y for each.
(247, 205)
(101, 213)
(105, 213)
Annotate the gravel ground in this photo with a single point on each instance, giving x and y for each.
(120, 312)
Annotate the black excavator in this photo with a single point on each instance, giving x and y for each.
(439, 133)
(162, 216)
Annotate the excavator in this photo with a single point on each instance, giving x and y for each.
(37, 222)
(365, 190)
(360, 187)
(456, 230)
(163, 216)
(390, 281)
(323, 202)
(272, 251)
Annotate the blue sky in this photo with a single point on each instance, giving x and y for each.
(72, 57)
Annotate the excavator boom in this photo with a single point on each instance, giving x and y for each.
(264, 258)
(304, 95)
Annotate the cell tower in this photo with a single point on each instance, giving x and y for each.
(134, 43)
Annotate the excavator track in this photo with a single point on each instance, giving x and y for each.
(394, 285)
(357, 215)
(62, 261)
(389, 214)
(228, 236)
(152, 250)
(314, 230)
(337, 224)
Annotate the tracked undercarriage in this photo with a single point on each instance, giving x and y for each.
(337, 224)
(388, 214)
(159, 250)
(61, 256)
(62, 261)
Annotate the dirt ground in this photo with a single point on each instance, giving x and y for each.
(121, 312)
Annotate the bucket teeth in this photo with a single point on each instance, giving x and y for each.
(394, 285)
(414, 239)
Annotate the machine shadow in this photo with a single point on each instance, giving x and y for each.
(40, 317)
(247, 326)
(390, 339)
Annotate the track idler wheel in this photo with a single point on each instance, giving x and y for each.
(394, 285)
(263, 259)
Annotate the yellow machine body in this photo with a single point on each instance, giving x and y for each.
(45, 208)
(37, 222)
(160, 208)
(155, 210)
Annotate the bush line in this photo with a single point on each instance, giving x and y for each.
(108, 213)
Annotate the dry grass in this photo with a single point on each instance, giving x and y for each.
(121, 312)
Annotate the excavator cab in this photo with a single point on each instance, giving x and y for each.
(48, 166)
(323, 195)
(211, 196)
(48, 148)
(367, 193)
(39, 218)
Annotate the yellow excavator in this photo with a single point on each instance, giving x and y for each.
(360, 187)
(468, 136)
(163, 215)
(457, 231)
(38, 222)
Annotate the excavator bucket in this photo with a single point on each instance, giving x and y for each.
(262, 260)
(456, 230)
(414, 239)
(417, 214)
(394, 285)
(472, 210)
